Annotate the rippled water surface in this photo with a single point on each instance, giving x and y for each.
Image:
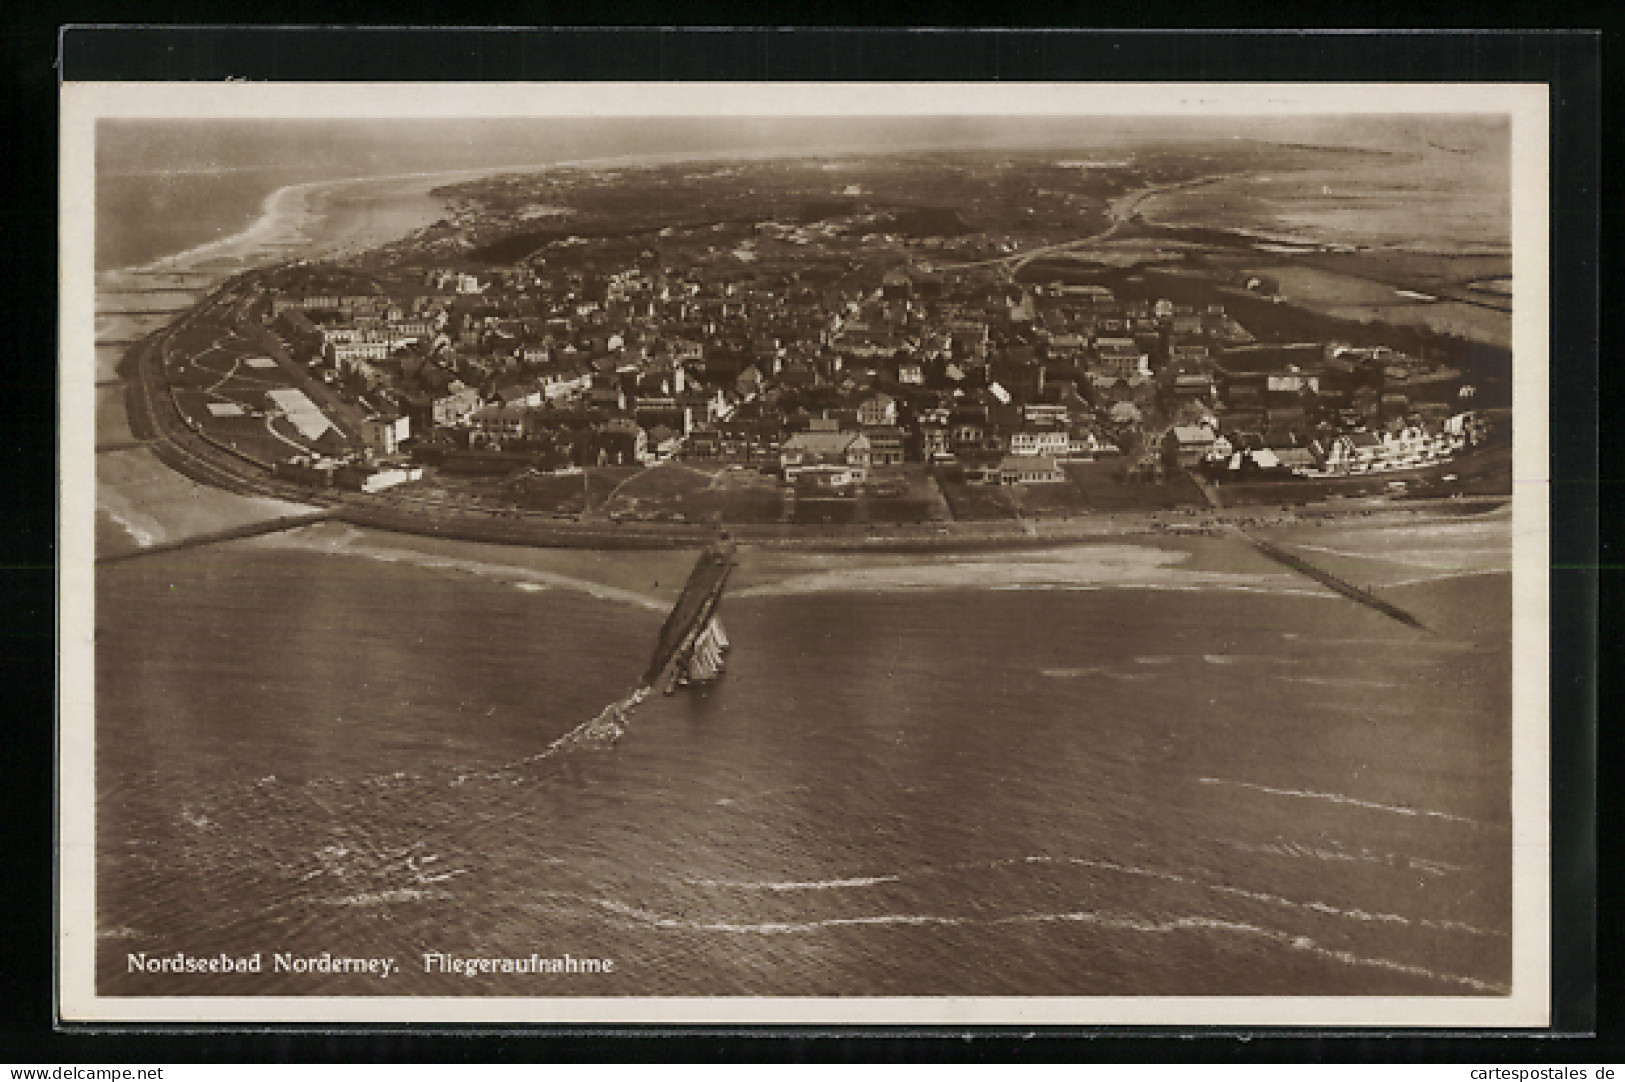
(919, 786)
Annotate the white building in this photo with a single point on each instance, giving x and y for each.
(453, 409)
(384, 435)
(346, 353)
(1050, 442)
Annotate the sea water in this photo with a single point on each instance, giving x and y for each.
(1237, 786)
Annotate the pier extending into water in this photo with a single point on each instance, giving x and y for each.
(695, 609)
(252, 529)
(1326, 578)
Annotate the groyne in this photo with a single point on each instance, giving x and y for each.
(214, 537)
(1326, 578)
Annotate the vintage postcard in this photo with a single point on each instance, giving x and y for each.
(837, 554)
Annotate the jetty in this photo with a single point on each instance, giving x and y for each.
(1326, 578)
(690, 640)
(214, 537)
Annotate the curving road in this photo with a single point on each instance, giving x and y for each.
(1120, 211)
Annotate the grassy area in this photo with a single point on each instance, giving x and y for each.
(978, 503)
(195, 337)
(1106, 488)
(208, 366)
(899, 494)
(662, 483)
(601, 481)
(205, 364)
(677, 492)
(895, 509)
(824, 512)
(561, 494)
(246, 434)
(1256, 493)
(759, 503)
(1051, 501)
(657, 493)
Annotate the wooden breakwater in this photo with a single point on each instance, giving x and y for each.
(252, 529)
(1326, 578)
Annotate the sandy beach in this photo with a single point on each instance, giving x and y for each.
(1389, 554)
(139, 501)
(299, 221)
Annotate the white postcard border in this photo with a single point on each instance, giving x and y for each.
(1527, 106)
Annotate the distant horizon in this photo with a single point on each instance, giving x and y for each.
(166, 185)
(372, 146)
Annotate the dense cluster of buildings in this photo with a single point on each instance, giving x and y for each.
(833, 372)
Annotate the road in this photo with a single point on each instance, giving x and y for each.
(1121, 211)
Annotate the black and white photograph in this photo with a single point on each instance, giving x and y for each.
(823, 553)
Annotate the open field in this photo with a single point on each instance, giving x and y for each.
(1106, 486)
(679, 492)
(900, 494)
(1091, 488)
(979, 503)
(227, 386)
(602, 480)
(895, 509)
(1468, 321)
(250, 433)
(1426, 272)
(826, 512)
(1051, 501)
(1298, 282)
(758, 503)
(562, 494)
(655, 488)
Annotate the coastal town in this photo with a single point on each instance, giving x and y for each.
(1008, 568)
(803, 345)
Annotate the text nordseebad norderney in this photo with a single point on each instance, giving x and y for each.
(329, 963)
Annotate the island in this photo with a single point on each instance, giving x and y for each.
(922, 349)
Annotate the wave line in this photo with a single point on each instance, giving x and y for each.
(1296, 942)
(820, 884)
(1109, 921)
(1339, 798)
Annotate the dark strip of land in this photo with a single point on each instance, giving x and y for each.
(1326, 578)
(253, 529)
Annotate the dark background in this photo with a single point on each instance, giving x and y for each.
(38, 51)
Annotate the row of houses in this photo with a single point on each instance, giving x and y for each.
(1401, 445)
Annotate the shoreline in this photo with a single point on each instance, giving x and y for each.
(651, 577)
(281, 221)
(286, 218)
(1314, 233)
(303, 212)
